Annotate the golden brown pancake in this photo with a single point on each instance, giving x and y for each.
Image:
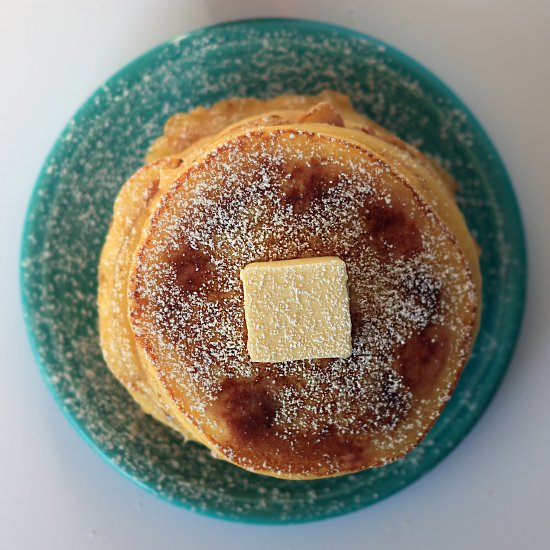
(289, 178)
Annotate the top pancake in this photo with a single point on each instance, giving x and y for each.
(261, 192)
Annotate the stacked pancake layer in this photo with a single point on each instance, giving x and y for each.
(294, 177)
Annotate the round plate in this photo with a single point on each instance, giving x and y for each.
(105, 143)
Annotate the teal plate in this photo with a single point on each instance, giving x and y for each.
(104, 144)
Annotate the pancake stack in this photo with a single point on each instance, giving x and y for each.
(293, 177)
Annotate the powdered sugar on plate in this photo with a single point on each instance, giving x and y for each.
(104, 145)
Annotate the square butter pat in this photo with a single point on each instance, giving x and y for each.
(297, 309)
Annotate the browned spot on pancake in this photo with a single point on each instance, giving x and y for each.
(344, 449)
(349, 454)
(426, 291)
(247, 407)
(368, 130)
(325, 113)
(382, 408)
(152, 190)
(192, 269)
(391, 230)
(173, 162)
(306, 185)
(421, 358)
(393, 406)
(394, 140)
(356, 314)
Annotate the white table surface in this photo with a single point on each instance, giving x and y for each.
(492, 492)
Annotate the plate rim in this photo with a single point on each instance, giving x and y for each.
(134, 66)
